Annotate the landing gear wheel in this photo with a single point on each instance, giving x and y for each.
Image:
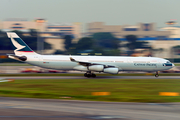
(88, 75)
(156, 75)
(93, 75)
(85, 74)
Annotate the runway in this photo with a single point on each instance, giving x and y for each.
(98, 77)
(49, 109)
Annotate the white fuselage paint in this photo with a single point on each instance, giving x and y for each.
(63, 62)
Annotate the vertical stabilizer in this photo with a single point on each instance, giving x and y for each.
(20, 47)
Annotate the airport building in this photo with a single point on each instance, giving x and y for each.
(169, 43)
(144, 31)
(52, 33)
(161, 40)
(23, 24)
(42, 26)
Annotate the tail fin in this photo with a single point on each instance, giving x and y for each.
(20, 47)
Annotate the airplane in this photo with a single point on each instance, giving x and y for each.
(89, 64)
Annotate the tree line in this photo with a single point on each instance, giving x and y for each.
(30, 40)
(103, 42)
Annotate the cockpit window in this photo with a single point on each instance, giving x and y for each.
(168, 62)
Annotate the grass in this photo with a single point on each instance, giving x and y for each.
(177, 64)
(122, 90)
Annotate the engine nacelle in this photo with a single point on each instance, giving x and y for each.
(111, 70)
(98, 68)
(81, 68)
(21, 58)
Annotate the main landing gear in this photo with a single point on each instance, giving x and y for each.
(89, 74)
(156, 75)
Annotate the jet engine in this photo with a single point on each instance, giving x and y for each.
(21, 58)
(80, 67)
(98, 68)
(111, 70)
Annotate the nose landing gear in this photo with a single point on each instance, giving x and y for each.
(89, 74)
(156, 75)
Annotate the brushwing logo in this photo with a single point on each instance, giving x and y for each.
(17, 45)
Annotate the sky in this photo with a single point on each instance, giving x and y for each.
(112, 12)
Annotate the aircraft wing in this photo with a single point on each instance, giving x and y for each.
(89, 63)
(81, 62)
(98, 67)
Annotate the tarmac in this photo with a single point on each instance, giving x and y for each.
(50, 109)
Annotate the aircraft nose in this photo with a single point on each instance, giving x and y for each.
(168, 65)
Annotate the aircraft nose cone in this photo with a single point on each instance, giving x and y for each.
(173, 65)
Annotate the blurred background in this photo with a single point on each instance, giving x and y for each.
(96, 27)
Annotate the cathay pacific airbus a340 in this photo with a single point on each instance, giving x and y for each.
(89, 64)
